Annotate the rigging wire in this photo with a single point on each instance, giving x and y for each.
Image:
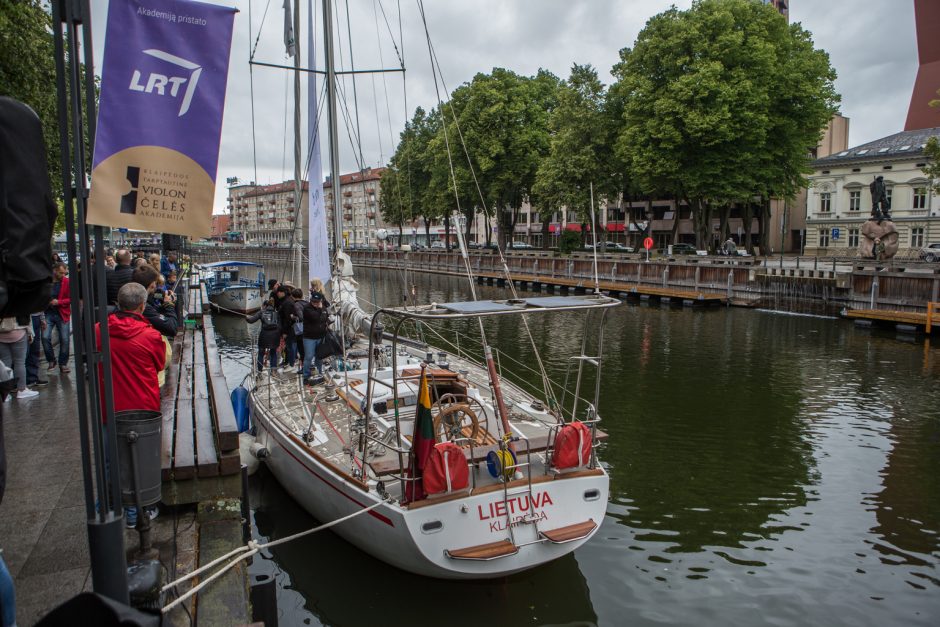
(251, 89)
(502, 258)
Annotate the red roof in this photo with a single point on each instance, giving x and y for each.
(369, 174)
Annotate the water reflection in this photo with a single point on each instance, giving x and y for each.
(338, 584)
(764, 468)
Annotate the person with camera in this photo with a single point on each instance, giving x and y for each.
(160, 309)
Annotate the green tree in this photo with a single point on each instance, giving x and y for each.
(579, 153)
(932, 169)
(503, 121)
(721, 104)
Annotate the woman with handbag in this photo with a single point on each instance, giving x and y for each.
(316, 325)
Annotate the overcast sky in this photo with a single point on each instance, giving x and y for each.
(871, 43)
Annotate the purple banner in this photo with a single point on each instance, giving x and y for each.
(163, 83)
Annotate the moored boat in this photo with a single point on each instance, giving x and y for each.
(493, 497)
(234, 286)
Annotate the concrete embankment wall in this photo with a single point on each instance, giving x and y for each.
(824, 285)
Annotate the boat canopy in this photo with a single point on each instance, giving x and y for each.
(507, 306)
(229, 264)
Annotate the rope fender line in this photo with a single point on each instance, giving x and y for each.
(250, 549)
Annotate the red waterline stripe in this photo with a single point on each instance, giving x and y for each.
(372, 513)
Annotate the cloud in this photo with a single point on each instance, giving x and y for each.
(871, 44)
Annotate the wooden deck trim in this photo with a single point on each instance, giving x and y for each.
(484, 552)
(437, 499)
(570, 533)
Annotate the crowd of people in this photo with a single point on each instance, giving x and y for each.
(24, 341)
(292, 326)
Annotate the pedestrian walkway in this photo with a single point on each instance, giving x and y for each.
(42, 518)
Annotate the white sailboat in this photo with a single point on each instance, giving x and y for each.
(468, 474)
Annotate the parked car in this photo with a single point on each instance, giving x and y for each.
(611, 247)
(438, 245)
(930, 252)
(683, 249)
(522, 245)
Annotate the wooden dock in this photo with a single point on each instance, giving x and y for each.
(665, 294)
(199, 455)
(924, 322)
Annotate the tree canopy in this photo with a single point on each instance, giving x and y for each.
(716, 106)
(722, 103)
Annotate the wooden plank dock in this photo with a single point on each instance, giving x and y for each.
(200, 458)
(923, 321)
(614, 288)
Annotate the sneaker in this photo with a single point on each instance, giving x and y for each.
(51, 366)
(40, 383)
(27, 393)
(65, 369)
(130, 515)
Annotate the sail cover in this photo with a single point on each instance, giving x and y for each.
(318, 251)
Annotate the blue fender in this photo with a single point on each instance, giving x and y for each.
(240, 405)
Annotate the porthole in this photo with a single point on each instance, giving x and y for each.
(592, 495)
(432, 527)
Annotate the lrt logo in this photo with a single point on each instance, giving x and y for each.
(164, 85)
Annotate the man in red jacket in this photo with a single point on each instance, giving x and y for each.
(138, 353)
(57, 319)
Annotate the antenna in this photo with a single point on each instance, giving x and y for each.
(597, 283)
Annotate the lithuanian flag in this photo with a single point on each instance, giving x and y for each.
(422, 441)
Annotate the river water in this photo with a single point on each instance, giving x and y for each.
(765, 469)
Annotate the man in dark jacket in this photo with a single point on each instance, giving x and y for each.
(316, 324)
(160, 310)
(285, 311)
(120, 276)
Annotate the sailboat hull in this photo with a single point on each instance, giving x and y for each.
(237, 299)
(421, 540)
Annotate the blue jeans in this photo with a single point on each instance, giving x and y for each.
(290, 348)
(32, 354)
(54, 322)
(310, 354)
(7, 596)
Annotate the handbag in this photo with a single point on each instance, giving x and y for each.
(329, 346)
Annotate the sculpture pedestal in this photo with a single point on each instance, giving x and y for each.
(884, 232)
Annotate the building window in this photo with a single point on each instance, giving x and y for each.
(825, 202)
(824, 238)
(920, 198)
(917, 237)
(888, 191)
(855, 200)
(853, 238)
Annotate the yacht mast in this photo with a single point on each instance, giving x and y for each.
(333, 128)
(298, 182)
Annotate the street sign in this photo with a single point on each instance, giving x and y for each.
(835, 233)
(648, 243)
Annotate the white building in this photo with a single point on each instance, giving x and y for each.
(839, 200)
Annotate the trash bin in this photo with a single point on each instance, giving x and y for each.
(146, 425)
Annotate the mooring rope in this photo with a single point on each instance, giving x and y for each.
(245, 552)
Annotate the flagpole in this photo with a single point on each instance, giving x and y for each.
(298, 183)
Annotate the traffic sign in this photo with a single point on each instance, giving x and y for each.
(648, 243)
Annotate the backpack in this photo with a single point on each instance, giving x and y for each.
(27, 212)
(269, 319)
